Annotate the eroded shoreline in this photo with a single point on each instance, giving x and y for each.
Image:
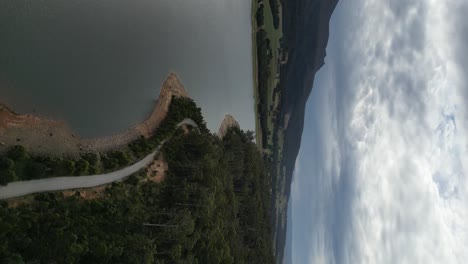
(54, 137)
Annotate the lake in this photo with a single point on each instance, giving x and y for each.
(99, 65)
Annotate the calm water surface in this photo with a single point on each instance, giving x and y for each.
(99, 64)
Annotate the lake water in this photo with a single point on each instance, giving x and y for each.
(99, 64)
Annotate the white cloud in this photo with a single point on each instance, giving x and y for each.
(318, 157)
(400, 194)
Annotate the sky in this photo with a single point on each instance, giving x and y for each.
(382, 172)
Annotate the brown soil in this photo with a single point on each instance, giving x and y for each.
(157, 170)
(18, 202)
(41, 135)
(87, 194)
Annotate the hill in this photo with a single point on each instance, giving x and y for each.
(288, 54)
(212, 207)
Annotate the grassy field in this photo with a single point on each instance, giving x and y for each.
(258, 129)
(274, 36)
(269, 130)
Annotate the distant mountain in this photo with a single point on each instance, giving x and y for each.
(306, 31)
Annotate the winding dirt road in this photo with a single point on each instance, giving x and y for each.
(22, 188)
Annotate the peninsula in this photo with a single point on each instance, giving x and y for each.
(212, 205)
(54, 137)
(34, 148)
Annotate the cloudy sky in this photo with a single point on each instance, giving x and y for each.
(382, 175)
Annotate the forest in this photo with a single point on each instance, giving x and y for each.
(213, 207)
(264, 55)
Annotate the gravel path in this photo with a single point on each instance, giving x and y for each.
(22, 188)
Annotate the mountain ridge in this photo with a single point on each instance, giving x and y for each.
(306, 32)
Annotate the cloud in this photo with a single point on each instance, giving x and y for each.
(390, 184)
(308, 192)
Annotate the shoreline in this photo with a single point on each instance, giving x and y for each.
(54, 137)
(258, 129)
(22, 188)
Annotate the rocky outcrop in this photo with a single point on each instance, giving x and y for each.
(41, 135)
(228, 122)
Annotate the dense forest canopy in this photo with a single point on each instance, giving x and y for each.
(213, 207)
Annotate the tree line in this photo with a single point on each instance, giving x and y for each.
(264, 57)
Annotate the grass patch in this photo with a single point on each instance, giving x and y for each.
(266, 67)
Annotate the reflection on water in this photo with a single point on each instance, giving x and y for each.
(99, 64)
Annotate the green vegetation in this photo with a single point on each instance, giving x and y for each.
(260, 18)
(264, 58)
(17, 164)
(213, 207)
(275, 13)
(268, 54)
